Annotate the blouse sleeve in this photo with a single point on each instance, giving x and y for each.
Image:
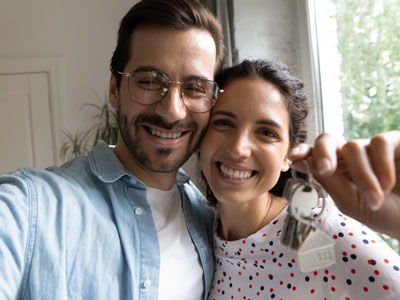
(366, 267)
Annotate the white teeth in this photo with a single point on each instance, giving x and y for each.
(164, 135)
(234, 174)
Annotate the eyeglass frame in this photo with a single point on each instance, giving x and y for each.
(129, 75)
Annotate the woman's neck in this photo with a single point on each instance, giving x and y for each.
(240, 221)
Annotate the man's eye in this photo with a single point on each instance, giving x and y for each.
(193, 89)
(148, 82)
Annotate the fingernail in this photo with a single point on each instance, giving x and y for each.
(323, 165)
(372, 199)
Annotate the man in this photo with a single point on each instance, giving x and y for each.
(125, 224)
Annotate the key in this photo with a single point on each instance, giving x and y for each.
(315, 249)
(302, 197)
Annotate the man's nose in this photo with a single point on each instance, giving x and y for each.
(171, 108)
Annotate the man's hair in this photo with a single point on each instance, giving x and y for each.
(180, 14)
(292, 90)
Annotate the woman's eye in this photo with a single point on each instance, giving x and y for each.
(267, 133)
(222, 123)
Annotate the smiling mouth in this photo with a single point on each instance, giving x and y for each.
(165, 135)
(235, 174)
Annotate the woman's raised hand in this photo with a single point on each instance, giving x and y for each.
(362, 176)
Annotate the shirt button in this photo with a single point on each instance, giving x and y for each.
(138, 211)
(147, 283)
(133, 181)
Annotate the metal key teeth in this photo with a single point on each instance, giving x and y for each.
(294, 232)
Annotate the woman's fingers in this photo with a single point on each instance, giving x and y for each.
(382, 152)
(361, 172)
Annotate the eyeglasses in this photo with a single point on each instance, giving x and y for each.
(148, 86)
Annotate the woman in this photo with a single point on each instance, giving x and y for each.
(257, 120)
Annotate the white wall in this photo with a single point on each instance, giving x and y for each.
(277, 29)
(81, 34)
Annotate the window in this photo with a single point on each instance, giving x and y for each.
(358, 59)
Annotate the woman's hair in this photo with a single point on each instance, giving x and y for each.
(180, 14)
(292, 90)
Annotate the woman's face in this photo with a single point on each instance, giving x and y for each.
(246, 144)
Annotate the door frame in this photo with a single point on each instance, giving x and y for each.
(50, 66)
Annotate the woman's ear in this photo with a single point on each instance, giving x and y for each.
(286, 164)
(113, 92)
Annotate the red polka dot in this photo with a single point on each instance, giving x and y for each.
(272, 252)
(251, 251)
(240, 250)
(376, 272)
(244, 268)
(239, 290)
(293, 260)
(353, 271)
(373, 241)
(264, 235)
(294, 288)
(344, 218)
(351, 234)
(258, 293)
(280, 282)
(279, 264)
(347, 298)
(365, 289)
(333, 277)
(386, 260)
(240, 273)
(344, 253)
(335, 236)
(256, 262)
(291, 275)
(333, 289)
(385, 287)
(326, 272)
(231, 297)
(257, 274)
(250, 286)
(230, 278)
(312, 291)
(315, 273)
(244, 242)
(353, 246)
(264, 261)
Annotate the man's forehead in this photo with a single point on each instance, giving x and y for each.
(167, 48)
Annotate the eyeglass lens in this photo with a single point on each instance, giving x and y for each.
(150, 86)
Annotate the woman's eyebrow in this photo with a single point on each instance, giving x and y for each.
(224, 113)
(268, 122)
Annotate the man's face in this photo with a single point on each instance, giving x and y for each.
(162, 136)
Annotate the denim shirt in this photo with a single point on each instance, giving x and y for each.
(85, 231)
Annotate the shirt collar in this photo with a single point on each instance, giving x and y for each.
(106, 166)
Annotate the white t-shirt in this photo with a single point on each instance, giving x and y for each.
(181, 275)
(260, 267)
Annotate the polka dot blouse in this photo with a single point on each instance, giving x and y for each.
(259, 267)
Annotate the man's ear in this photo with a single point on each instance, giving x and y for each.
(113, 92)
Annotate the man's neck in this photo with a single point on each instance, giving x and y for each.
(162, 181)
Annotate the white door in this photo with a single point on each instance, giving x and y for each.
(25, 121)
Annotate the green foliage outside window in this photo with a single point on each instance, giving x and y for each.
(369, 46)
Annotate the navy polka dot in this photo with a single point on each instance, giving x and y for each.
(348, 281)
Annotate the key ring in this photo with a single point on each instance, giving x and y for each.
(307, 185)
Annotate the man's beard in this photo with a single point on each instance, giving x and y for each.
(161, 162)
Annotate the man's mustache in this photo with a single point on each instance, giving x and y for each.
(160, 122)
